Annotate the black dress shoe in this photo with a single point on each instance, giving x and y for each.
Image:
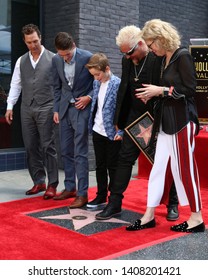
(98, 202)
(108, 212)
(172, 214)
(183, 227)
(137, 225)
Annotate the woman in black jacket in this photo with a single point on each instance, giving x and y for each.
(176, 122)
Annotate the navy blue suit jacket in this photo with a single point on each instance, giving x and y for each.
(82, 84)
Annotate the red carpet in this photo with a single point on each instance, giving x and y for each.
(29, 238)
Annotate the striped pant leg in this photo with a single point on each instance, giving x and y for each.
(184, 167)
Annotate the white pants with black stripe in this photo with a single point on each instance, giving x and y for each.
(179, 148)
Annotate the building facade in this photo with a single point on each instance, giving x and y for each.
(94, 25)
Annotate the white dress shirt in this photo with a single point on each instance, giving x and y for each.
(69, 71)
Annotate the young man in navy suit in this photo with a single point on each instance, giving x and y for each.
(72, 98)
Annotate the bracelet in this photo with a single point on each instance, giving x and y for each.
(170, 90)
(89, 97)
(167, 91)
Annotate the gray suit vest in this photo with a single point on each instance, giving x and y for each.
(37, 83)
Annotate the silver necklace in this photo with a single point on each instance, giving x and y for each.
(136, 79)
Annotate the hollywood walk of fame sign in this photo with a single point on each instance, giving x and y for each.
(140, 132)
(200, 56)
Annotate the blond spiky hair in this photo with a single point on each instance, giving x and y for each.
(130, 34)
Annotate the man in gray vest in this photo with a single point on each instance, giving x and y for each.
(32, 76)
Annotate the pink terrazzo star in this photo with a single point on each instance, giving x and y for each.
(82, 217)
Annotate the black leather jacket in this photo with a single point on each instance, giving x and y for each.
(124, 97)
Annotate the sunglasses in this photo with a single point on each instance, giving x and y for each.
(132, 50)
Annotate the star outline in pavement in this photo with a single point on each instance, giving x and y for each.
(81, 218)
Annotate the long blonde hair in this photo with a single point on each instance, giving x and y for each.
(164, 31)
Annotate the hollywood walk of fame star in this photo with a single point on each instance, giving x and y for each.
(145, 133)
(82, 217)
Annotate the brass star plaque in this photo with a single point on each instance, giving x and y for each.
(140, 132)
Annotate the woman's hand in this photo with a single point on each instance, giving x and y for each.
(148, 91)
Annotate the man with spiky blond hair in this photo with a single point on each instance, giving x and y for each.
(139, 66)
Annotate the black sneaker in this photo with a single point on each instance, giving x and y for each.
(108, 212)
(172, 214)
(97, 202)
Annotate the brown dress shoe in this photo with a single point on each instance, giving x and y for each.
(65, 195)
(36, 189)
(50, 192)
(78, 202)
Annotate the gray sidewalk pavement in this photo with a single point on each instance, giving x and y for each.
(14, 184)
